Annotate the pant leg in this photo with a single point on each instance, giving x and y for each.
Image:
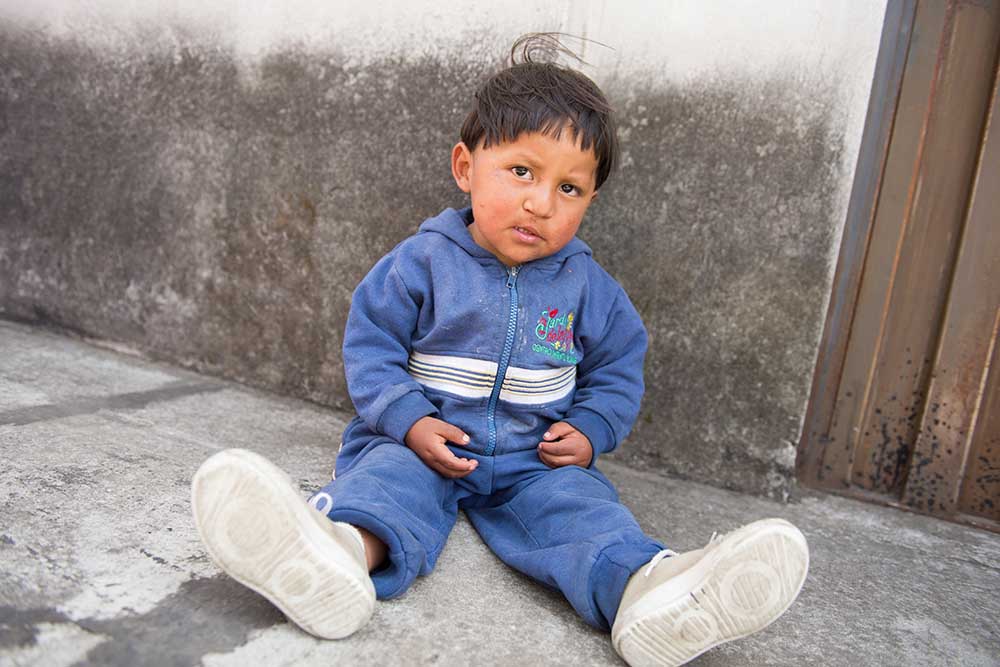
(566, 528)
(387, 490)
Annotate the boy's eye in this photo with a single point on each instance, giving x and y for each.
(569, 189)
(521, 172)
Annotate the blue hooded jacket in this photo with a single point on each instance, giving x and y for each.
(441, 327)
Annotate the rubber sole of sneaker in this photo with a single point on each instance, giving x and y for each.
(742, 585)
(258, 530)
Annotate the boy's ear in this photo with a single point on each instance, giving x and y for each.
(461, 166)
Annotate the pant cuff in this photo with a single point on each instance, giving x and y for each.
(609, 576)
(394, 576)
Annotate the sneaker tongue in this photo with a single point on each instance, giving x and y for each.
(672, 567)
(667, 568)
(355, 533)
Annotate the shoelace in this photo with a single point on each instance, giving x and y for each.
(656, 560)
(670, 552)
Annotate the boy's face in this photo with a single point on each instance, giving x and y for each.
(528, 195)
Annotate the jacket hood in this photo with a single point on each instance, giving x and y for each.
(454, 225)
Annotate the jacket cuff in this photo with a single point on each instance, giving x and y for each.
(403, 413)
(595, 427)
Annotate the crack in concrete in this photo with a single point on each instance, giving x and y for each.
(129, 401)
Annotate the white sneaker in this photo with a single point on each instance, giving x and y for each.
(262, 533)
(676, 608)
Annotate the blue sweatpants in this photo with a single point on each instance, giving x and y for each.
(564, 527)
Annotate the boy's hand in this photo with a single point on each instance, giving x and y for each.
(563, 445)
(427, 437)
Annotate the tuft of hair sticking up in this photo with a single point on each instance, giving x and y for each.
(536, 94)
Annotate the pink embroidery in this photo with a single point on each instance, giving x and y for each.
(556, 330)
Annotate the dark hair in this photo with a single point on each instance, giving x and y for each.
(530, 96)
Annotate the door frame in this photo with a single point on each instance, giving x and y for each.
(935, 25)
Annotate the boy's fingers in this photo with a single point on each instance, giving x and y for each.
(446, 458)
(557, 450)
(558, 430)
(545, 459)
(556, 461)
(453, 434)
(451, 474)
(453, 463)
(560, 447)
(459, 472)
(446, 470)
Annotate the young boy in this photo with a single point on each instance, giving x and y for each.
(491, 361)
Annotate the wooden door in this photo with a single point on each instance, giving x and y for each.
(905, 406)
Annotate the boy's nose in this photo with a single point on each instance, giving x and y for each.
(539, 202)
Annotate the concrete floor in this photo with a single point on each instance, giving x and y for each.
(101, 564)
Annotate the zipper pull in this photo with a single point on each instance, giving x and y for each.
(512, 276)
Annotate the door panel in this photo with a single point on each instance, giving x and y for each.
(960, 429)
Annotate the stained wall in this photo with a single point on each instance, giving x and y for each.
(206, 184)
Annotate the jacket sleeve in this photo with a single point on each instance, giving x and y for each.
(381, 323)
(609, 378)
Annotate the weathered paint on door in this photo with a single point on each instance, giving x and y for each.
(904, 405)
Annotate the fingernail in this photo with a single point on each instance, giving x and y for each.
(465, 438)
(547, 435)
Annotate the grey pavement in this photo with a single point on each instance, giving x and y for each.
(101, 563)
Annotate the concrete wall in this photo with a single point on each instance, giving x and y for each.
(207, 183)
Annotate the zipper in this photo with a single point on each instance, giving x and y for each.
(508, 345)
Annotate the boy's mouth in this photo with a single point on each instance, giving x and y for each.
(527, 234)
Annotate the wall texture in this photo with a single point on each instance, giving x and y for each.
(207, 186)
